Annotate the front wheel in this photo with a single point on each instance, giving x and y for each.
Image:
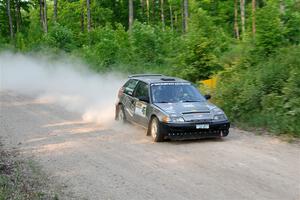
(155, 131)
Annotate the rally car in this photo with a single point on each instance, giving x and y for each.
(169, 108)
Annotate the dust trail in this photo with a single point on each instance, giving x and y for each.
(64, 81)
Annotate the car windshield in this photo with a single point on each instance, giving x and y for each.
(175, 92)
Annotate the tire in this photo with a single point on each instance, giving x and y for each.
(225, 133)
(155, 130)
(121, 117)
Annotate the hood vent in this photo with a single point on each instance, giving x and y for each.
(196, 112)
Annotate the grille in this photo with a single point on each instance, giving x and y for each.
(198, 117)
(194, 135)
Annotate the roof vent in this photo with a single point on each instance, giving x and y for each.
(143, 75)
(167, 79)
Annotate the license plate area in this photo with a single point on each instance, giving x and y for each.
(202, 126)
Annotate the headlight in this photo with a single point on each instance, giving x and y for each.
(217, 111)
(177, 119)
(172, 119)
(218, 114)
(220, 117)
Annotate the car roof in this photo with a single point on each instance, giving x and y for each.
(156, 78)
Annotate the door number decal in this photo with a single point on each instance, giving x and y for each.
(140, 109)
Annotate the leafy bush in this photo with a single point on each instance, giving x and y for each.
(266, 95)
(270, 30)
(60, 37)
(203, 45)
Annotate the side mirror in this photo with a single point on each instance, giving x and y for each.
(207, 96)
(144, 98)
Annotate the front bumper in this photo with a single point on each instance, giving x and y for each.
(187, 131)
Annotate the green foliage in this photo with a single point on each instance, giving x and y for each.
(143, 39)
(203, 45)
(199, 61)
(20, 43)
(151, 45)
(103, 48)
(34, 39)
(60, 37)
(70, 13)
(291, 20)
(270, 30)
(139, 50)
(100, 15)
(267, 94)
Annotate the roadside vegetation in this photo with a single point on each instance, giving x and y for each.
(22, 179)
(251, 46)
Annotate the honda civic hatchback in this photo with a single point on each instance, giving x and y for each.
(169, 108)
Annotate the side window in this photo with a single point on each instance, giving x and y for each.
(142, 90)
(129, 86)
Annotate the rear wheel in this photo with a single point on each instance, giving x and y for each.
(155, 131)
(121, 114)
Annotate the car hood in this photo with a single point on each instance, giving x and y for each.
(186, 107)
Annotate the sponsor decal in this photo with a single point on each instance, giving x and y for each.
(140, 109)
(188, 105)
(171, 83)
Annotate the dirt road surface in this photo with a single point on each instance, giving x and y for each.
(120, 162)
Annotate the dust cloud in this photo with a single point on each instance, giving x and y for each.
(65, 81)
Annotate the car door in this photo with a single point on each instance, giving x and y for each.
(141, 98)
(129, 102)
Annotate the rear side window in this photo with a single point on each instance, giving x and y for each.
(142, 90)
(129, 86)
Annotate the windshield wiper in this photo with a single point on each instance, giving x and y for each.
(192, 101)
(162, 102)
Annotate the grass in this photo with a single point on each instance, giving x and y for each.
(258, 130)
(22, 179)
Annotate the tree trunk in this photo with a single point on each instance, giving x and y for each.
(82, 18)
(253, 18)
(130, 18)
(148, 10)
(153, 11)
(185, 15)
(10, 20)
(45, 17)
(236, 25)
(242, 5)
(281, 7)
(176, 21)
(55, 10)
(18, 15)
(42, 13)
(162, 14)
(88, 4)
(171, 17)
(142, 10)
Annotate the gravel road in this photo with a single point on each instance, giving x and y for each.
(94, 161)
